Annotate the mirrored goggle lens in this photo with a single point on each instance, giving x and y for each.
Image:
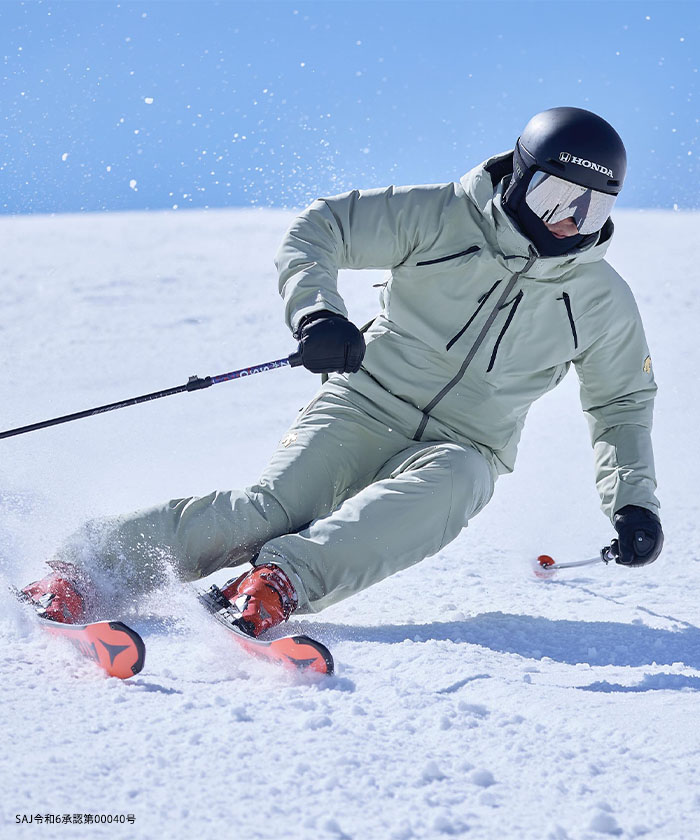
(554, 199)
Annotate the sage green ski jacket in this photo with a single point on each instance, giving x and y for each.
(475, 325)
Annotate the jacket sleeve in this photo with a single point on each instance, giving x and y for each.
(360, 229)
(617, 397)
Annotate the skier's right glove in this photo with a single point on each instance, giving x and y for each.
(640, 537)
(329, 343)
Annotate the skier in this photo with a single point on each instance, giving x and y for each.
(496, 285)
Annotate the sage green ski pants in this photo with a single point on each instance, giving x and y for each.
(345, 501)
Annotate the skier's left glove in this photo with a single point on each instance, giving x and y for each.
(640, 537)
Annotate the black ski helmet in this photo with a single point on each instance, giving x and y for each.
(573, 145)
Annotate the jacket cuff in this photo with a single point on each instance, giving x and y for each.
(307, 312)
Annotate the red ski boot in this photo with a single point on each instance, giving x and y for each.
(61, 594)
(264, 597)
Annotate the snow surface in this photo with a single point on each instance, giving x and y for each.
(471, 699)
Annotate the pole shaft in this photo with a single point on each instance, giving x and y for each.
(195, 383)
(237, 374)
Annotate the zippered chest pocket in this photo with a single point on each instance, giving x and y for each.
(435, 261)
(512, 307)
(539, 333)
(569, 311)
(481, 303)
(434, 297)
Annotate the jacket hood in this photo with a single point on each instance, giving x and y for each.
(485, 184)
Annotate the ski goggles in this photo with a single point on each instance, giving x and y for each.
(554, 199)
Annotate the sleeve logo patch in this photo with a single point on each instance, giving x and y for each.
(647, 364)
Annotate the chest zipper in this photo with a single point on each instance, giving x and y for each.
(513, 306)
(482, 301)
(567, 303)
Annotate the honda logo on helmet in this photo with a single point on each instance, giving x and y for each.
(566, 157)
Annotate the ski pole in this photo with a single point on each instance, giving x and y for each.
(194, 383)
(549, 564)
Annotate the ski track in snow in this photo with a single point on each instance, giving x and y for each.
(470, 699)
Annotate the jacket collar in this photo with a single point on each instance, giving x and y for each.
(484, 186)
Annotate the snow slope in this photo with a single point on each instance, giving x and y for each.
(470, 698)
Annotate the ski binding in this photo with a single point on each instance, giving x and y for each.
(298, 652)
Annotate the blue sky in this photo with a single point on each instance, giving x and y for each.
(112, 106)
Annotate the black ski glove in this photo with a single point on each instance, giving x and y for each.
(329, 343)
(640, 538)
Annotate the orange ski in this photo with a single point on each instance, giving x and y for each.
(298, 652)
(116, 648)
(112, 645)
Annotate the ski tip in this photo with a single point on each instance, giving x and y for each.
(139, 648)
(322, 663)
(301, 653)
(112, 645)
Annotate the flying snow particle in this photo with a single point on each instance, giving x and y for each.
(132, 184)
(64, 156)
(148, 100)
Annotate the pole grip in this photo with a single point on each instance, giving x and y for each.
(295, 359)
